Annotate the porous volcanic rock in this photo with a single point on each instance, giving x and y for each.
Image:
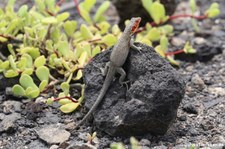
(147, 105)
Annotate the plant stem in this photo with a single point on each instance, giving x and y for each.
(50, 13)
(53, 78)
(175, 17)
(77, 6)
(67, 97)
(9, 37)
(174, 53)
(59, 3)
(94, 40)
(187, 16)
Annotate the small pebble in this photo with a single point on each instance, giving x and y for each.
(199, 40)
(189, 108)
(198, 82)
(144, 142)
(182, 118)
(176, 41)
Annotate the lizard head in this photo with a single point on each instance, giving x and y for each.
(133, 25)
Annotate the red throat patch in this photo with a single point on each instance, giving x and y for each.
(136, 25)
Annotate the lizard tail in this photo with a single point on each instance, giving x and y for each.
(106, 84)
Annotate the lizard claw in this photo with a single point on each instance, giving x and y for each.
(126, 83)
(102, 71)
(139, 49)
(136, 48)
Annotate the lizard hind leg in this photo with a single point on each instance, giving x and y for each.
(122, 77)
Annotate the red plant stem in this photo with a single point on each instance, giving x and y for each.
(67, 97)
(175, 17)
(174, 53)
(50, 13)
(77, 6)
(59, 3)
(154, 24)
(187, 15)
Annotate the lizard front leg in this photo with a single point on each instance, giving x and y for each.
(133, 46)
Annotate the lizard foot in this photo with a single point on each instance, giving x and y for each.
(102, 71)
(125, 83)
(138, 49)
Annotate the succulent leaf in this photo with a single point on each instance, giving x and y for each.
(69, 107)
(11, 73)
(85, 32)
(109, 40)
(173, 61)
(158, 13)
(95, 51)
(88, 4)
(164, 43)
(70, 27)
(153, 34)
(193, 5)
(62, 17)
(147, 5)
(160, 51)
(27, 82)
(85, 15)
(42, 73)
(18, 90)
(65, 87)
(32, 93)
(103, 7)
(78, 75)
(40, 61)
(42, 85)
(49, 101)
(64, 101)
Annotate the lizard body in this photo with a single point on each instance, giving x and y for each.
(117, 59)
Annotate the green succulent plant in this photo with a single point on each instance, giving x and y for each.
(155, 32)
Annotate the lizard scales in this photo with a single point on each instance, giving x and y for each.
(117, 59)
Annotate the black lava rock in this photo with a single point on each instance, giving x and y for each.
(7, 82)
(150, 102)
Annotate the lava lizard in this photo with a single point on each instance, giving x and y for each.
(117, 59)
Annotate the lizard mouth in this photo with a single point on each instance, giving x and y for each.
(136, 25)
